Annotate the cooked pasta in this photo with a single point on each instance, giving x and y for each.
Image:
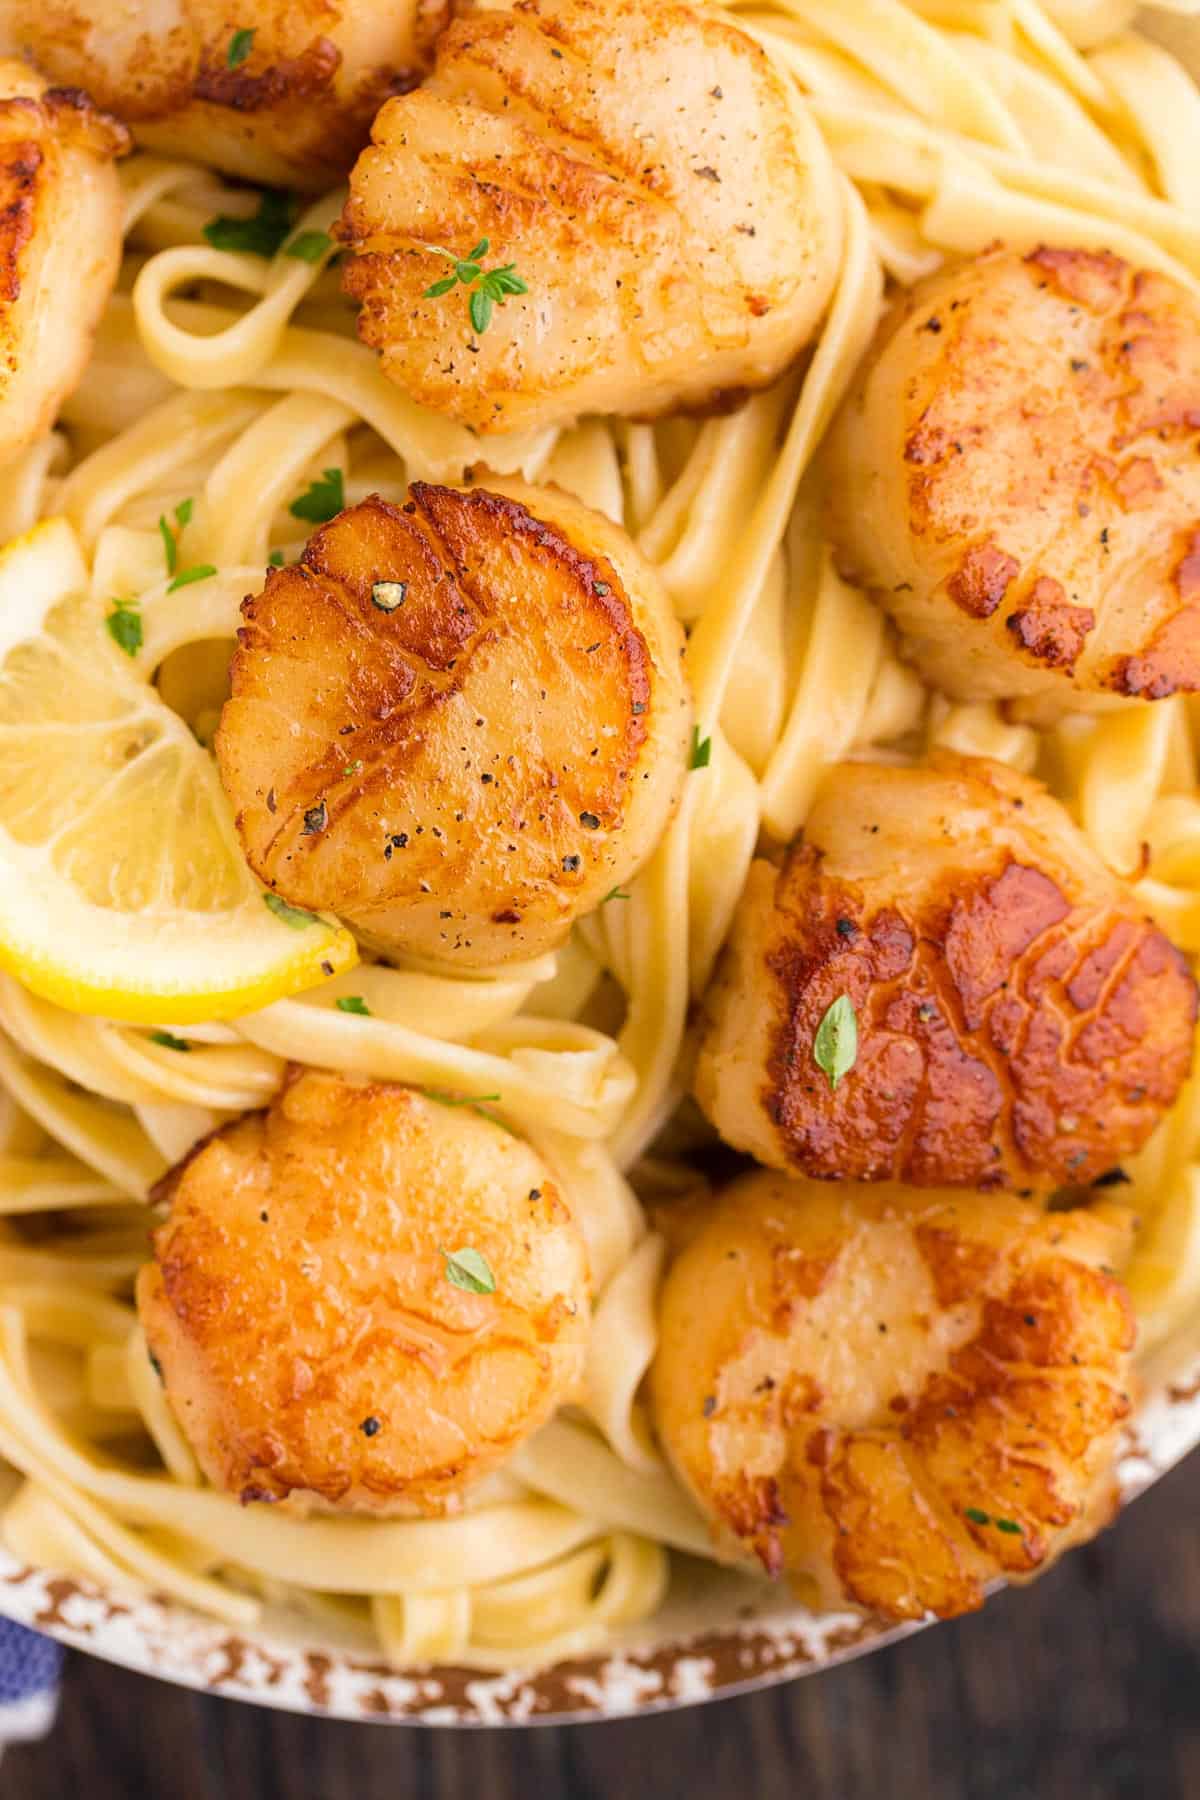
(226, 395)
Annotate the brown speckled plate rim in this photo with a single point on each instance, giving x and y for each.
(298, 1673)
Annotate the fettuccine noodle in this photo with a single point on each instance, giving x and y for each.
(237, 380)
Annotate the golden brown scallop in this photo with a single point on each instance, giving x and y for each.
(301, 1312)
(457, 723)
(60, 244)
(1016, 474)
(1020, 1022)
(293, 106)
(898, 1396)
(661, 190)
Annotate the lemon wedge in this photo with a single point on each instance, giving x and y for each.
(123, 889)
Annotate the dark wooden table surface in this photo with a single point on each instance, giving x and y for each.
(1086, 1687)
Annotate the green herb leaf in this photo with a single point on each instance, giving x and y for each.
(701, 750)
(323, 500)
(976, 1517)
(444, 1099)
(353, 768)
(275, 560)
(169, 1041)
(309, 246)
(198, 572)
(477, 1102)
(170, 547)
(486, 288)
(388, 595)
(617, 893)
(124, 626)
(183, 513)
(262, 235)
(240, 46)
(295, 916)
(468, 1269)
(1009, 1525)
(353, 1003)
(835, 1047)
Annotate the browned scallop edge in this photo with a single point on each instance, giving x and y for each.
(302, 77)
(25, 126)
(20, 165)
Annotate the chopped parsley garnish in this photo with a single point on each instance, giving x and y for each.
(322, 500)
(353, 1003)
(169, 1041)
(468, 1269)
(198, 572)
(979, 1517)
(295, 916)
(263, 235)
(352, 768)
(701, 750)
(240, 46)
(486, 288)
(275, 560)
(388, 595)
(124, 626)
(457, 1099)
(835, 1046)
(183, 515)
(617, 893)
(309, 246)
(477, 1102)
(170, 545)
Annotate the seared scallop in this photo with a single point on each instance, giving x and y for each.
(60, 244)
(456, 723)
(897, 1396)
(281, 93)
(363, 1298)
(1018, 1021)
(1017, 475)
(664, 197)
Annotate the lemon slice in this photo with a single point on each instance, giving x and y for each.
(123, 890)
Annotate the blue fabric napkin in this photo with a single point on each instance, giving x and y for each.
(30, 1667)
